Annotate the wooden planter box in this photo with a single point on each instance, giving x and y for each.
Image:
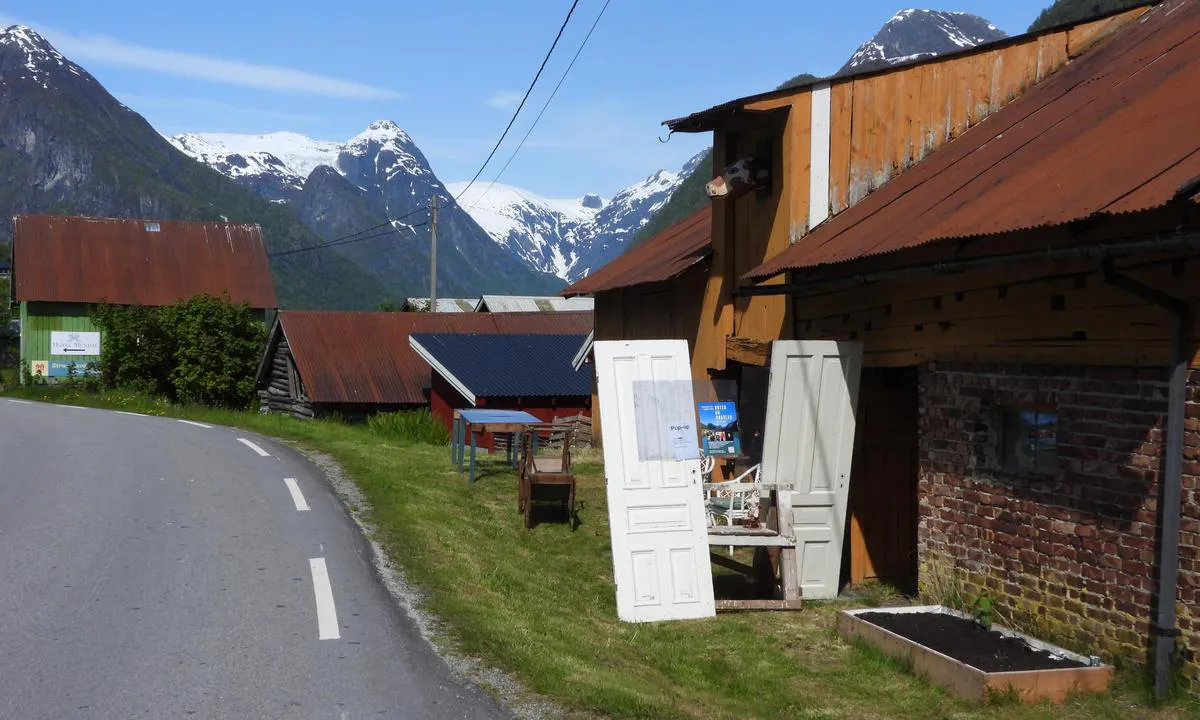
(970, 682)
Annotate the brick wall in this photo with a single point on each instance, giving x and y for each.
(1069, 557)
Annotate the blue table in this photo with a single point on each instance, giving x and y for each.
(469, 422)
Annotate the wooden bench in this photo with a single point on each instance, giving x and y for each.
(546, 478)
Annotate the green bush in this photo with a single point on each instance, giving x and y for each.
(415, 426)
(204, 350)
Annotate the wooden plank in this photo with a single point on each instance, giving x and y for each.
(789, 567)
(758, 605)
(731, 564)
(747, 351)
(751, 541)
(840, 117)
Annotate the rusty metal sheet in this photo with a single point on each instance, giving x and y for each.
(1091, 29)
(1112, 133)
(365, 357)
(659, 258)
(138, 262)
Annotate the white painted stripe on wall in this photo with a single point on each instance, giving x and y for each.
(254, 447)
(195, 424)
(297, 496)
(327, 624)
(818, 177)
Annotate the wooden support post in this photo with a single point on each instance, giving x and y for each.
(788, 571)
(472, 433)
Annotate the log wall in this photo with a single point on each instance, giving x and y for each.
(284, 391)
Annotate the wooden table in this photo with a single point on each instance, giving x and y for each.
(467, 423)
(780, 536)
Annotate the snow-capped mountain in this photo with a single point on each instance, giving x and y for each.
(568, 238)
(915, 34)
(556, 238)
(378, 177)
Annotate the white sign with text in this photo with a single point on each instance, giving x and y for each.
(69, 342)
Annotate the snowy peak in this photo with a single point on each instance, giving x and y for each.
(299, 154)
(26, 55)
(916, 34)
(394, 151)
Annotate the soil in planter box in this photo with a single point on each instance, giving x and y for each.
(968, 642)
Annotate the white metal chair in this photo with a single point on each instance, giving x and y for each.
(736, 506)
(707, 463)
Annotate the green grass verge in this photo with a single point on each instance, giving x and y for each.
(541, 604)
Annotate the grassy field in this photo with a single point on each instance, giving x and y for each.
(540, 603)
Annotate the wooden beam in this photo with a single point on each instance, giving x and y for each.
(757, 605)
(747, 351)
(731, 564)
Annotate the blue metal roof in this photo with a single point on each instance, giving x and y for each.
(480, 417)
(507, 365)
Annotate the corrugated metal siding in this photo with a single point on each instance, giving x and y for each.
(511, 365)
(126, 262)
(531, 303)
(416, 304)
(346, 357)
(38, 320)
(659, 258)
(1109, 134)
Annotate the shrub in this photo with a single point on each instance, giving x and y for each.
(414, 426)
(203, 350)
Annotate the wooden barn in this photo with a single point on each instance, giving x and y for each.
(812, 152)
(357, 363)
(63, 265)
(1025, 304)
(529, 372)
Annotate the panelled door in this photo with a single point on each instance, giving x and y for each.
(808, 445)
(652, 474)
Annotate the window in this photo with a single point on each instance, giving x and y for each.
(1030, 441)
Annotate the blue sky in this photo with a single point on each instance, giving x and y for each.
(449, 72)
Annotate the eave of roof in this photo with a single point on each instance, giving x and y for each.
(660, 258)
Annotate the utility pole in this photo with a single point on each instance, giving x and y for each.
(433, 254)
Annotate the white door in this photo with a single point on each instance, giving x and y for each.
(652, 473)
(808, 442)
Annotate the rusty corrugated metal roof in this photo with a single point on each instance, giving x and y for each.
(659, 258)
(353, 357)
(138, 262)
(1113, 132)
(707, 120)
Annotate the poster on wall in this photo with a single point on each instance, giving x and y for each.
(719, 429)
(70, 342)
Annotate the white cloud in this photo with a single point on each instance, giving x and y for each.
(503, 100)
(110, 51)
(223, 110)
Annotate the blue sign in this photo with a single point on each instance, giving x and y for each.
(62, 368)
(719, 428)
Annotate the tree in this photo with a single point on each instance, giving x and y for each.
(1064, 12)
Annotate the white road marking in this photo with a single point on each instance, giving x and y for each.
(327, 624)
(73, 407)
(23, 402)
(297, 496)
(254, 447)
(122, 412)
(192, 422)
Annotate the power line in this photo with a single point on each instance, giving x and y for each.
(542, 67)
(545, 105)
(354, 236)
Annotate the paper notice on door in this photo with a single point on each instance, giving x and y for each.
(665, 419)
(683, 442)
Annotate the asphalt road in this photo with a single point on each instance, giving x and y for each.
(152, 568)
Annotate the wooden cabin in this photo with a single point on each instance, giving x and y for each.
(1026, 300)
(529, 372)
(811, 152)
(358, 363)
